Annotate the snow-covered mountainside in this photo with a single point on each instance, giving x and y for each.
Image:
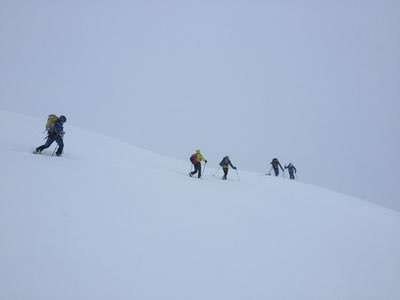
(111, 221)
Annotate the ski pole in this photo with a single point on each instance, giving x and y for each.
(204, 168)
(269, 172)
(54, 151)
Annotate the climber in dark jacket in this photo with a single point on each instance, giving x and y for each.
(225, 163)
(275, 164)
(56, 133)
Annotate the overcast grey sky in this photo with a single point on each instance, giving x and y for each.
(312, 82)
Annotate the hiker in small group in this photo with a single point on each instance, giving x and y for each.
(275, 165)
(225, 163)
(55, 132)
(292, 170)
(196, 159)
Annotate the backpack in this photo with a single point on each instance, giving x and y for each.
(51, 120)
(193, 158)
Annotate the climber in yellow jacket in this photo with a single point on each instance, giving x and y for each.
(196, 159)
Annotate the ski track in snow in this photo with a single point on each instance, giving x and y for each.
(112, 221)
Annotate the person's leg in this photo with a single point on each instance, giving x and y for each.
(198, 165)
(48, 143)
(194, 171)
(225, 169)
(60, 144)
(276, 171)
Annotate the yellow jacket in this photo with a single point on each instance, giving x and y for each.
(199, 157)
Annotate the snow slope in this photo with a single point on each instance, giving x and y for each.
(111, 221)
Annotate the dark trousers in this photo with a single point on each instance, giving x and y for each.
(276, 171)
(197, 169)
(291, 175)
(50, 140)
(225, 169)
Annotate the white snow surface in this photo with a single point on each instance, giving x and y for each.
(112, 221)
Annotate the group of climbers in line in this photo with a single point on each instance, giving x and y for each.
(55, 133)
(196, 159)
(275, 165)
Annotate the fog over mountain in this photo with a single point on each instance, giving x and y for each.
(312, 82)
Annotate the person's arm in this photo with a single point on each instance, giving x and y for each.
(232, 166)
(281, 167)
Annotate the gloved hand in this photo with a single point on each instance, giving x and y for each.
(205, 161)
(234, 168)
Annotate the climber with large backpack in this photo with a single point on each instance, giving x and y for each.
(196, 159)
(225, 163)
(55, 132)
